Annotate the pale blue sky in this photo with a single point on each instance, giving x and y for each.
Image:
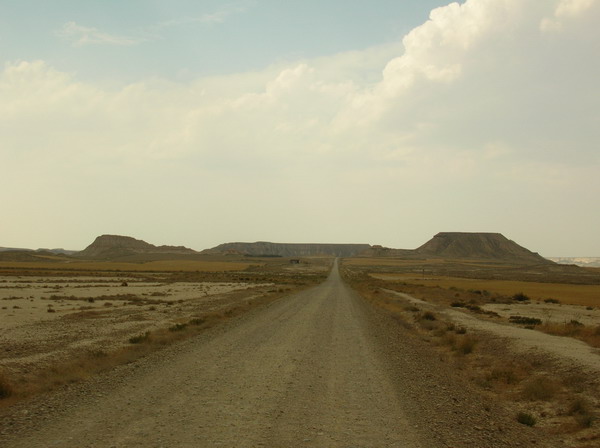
(200, 122)
(183, 39)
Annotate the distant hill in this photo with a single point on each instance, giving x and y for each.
(26, 255)
(52, 251)
(378, 251)
(588, 262)
(264, 248)
(108, 247)
(493, 246)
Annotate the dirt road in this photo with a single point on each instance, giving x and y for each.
(315, 369)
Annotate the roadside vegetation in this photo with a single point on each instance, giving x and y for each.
(551, 397)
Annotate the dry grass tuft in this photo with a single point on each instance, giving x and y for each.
(505, 375)
(526, 418)
(540, 388)
(466, 345)
(574, 329)
(6, 388)
(582, 411)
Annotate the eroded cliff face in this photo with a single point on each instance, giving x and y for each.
(289, 249)
(114, 246)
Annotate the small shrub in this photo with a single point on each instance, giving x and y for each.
(428, 315)
(461, 330)
(526, 418)
(457, 305)
(520, 297)
(585, 420)
(178, 327)
(579, 406)
(581, 410)
(505, 375)
(540, 388)
(197, 321)
(467, 345)
(97, 354)
(91, 299)
(474, 308)
(6, 389)
(575, 323)
(449, 339)
(523, 320)
(552, 301)
(139, 338)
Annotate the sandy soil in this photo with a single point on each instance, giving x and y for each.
(547, 312)
(47, 319)
(318, 369)
(563, 349)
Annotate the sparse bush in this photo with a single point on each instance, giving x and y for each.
(474, 308)
(457, 304)
(520, 297)
(197, 321)
(505, 375)
(579, 406)
(139, 338)
(466, 345)
(552, 301)
(6, 389)
(582, 412)
(523, 320)
(428, 315)
(526, 418)
(461, 330)
(540, 388)
(178, 327)
(585, 420)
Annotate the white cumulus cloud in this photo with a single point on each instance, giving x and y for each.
(477, 107)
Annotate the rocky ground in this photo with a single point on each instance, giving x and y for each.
(317, 368)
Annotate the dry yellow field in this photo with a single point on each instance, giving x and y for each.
(398, 262)
(586, 295)
(151, 266)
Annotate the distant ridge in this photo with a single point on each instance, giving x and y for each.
(108, 247)
(264, 248)
(493, 246)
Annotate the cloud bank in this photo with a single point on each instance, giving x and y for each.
(486, 119)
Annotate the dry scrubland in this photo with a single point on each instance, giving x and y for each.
(440, 299)
(62, 322)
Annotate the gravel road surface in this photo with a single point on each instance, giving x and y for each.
(320, 368)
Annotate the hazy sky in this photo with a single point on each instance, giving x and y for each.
(200, 122)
